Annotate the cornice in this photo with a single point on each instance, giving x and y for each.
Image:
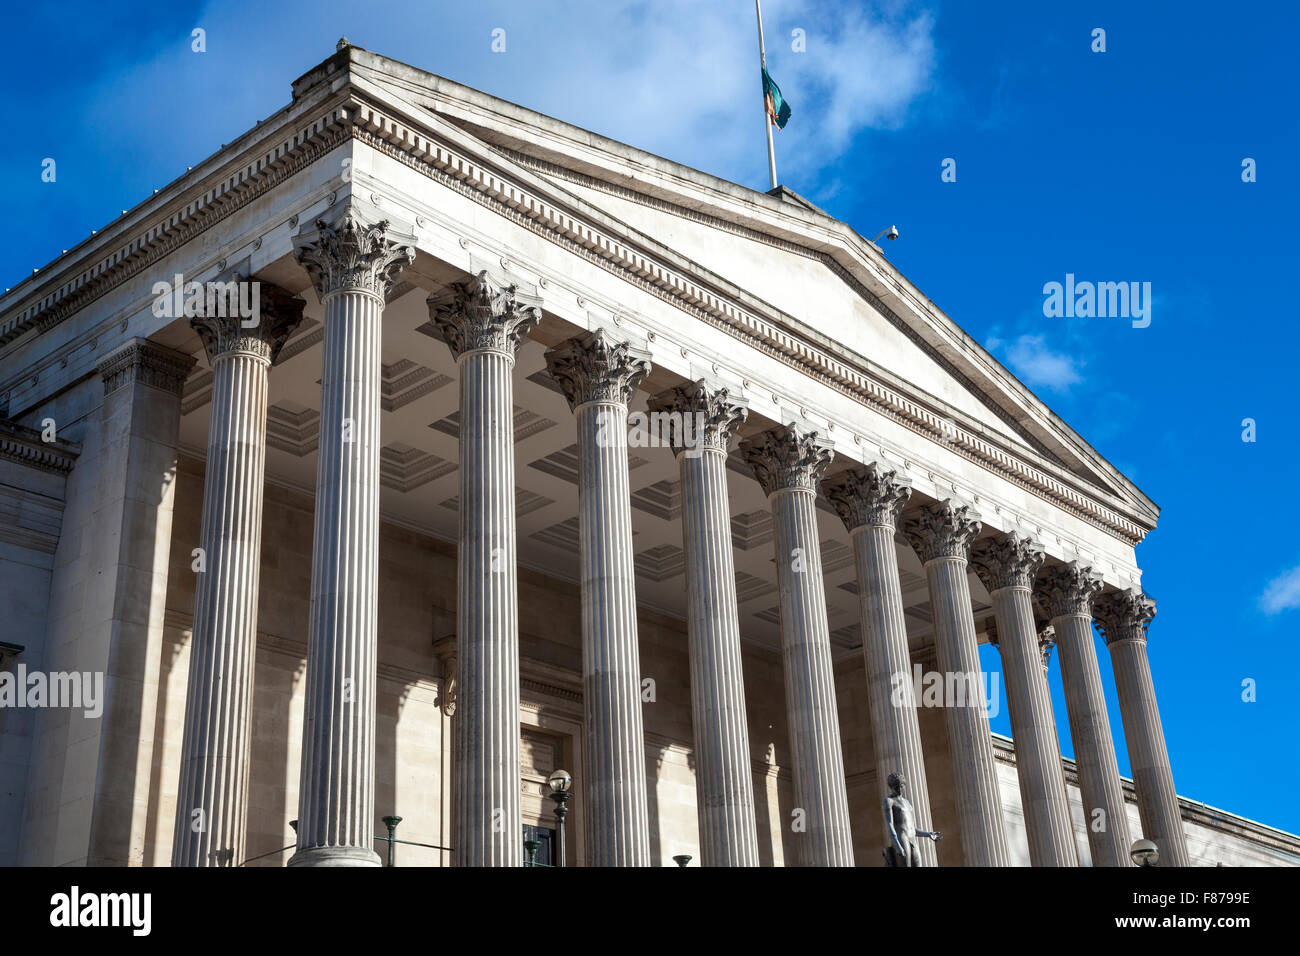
(1191, 811)
(25, 446)
(563, 225)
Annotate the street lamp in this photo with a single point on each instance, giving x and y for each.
(561, 784)
(391, 822)
(1145, 853)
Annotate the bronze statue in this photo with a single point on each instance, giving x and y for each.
(900, 826)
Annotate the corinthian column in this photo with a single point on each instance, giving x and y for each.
(1007, 564)
(353, 265)
(788, 465)
(484, 324)
(707, 419)
(1122, 618)
(1065, 593)
(212, 800)
(870, 500)
(942, 535)
(599, 377)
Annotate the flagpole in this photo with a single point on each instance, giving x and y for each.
(767, 123)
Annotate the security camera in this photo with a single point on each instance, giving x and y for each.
(892, 233)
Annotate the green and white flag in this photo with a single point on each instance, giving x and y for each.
(778, 110)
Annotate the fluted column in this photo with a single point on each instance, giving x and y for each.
(942, 534)
(212, 799)
(599, 377)
(870, 500)
(703, 420)
(1065, 593)
(1123, 617)
(484, 324)
(1006, 564)
(353, 265)
(789, 465)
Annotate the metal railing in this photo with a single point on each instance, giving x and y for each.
(389, 839)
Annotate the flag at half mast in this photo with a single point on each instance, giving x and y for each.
(778, 110)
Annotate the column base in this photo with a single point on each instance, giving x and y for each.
(335, 856)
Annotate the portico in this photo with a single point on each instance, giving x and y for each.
(437, 568)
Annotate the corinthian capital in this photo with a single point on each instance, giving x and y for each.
(1124, 615)
(1007, 561)
(1066, 589)
(1046, 641)
(705, 417)
(943, 530)
(276, 313)
(591, 368)
(871, 495)
(484, 315)
(349, 255)
(783, 458)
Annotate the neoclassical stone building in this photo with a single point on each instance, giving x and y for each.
(538, 451)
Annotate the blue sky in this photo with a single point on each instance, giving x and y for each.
(1117, 166)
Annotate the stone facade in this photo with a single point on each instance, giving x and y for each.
(543, 454)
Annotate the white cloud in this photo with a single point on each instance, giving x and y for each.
(678, 78)
(1037, 365)
(1282, 593)
(681, 78)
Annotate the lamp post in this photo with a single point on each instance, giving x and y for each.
(1145, 853)
(391, 823)
(561, 784)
